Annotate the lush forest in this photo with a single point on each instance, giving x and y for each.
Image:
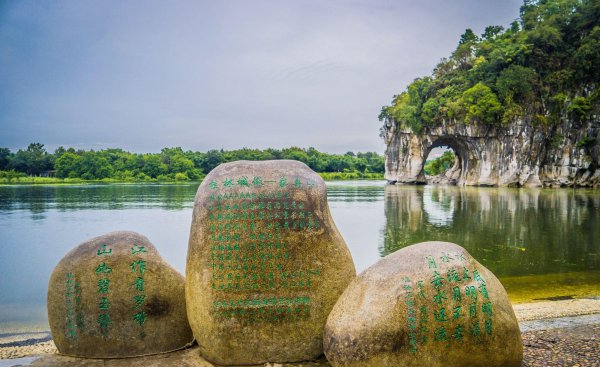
(171, 164)
(440, 164)
(543, 69)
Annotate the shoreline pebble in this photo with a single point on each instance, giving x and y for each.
(555, 333)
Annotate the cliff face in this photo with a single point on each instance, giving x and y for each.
(515, 155)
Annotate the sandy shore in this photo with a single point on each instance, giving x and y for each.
(555, 333)
(553, 309)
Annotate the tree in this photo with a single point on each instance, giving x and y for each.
(481, 104)
(440, 165)
(516, 82)
(212, 159)
(33, 161)
(463, 55)
(339, 164)
(580, 108)
(295, 153)
(59, 151)
(587, 57)
(492, 32)
(154, 166)
(5, 156)
(68, 165)
(468, 37)
(95, 166)
(181, 164)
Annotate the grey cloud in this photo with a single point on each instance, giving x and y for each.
(225, 74)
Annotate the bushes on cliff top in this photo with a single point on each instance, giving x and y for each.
(545, 64)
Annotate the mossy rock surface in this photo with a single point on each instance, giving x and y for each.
(429, 304)
(265, 263)
(114, 296)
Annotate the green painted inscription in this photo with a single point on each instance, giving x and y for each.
(138, 268)
(249, 251)
(449, 306)
(103, 270)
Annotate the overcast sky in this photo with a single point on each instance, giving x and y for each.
(143, 75)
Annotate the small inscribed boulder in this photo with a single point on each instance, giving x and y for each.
(265, 263)
(114, 296)
(430, 304)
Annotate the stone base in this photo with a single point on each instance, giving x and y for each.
(183, 358)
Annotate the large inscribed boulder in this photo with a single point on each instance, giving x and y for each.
(265, 263)
(114, 296)
(430, 304)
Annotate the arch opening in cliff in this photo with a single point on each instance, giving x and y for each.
(442, 166)
(453, 175)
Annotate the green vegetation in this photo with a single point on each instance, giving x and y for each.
(440, 165)
(35, 165)
(542, 70)
(334, 176)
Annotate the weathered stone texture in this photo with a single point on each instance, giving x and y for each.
(114, 296)
(430, 304)
(515, 155)
(265, 263)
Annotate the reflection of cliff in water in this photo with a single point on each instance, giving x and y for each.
(39, 199)
(512, 232)
(351, 192)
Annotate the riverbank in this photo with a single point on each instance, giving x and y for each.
(31, 180)
(555, 333)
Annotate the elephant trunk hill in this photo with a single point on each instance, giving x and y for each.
(519, 106)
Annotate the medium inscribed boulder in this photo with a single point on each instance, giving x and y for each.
(265, 263)
(114, 296)
(429, 304)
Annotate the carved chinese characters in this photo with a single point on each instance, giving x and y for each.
(429, 304)
(114, 296)
(265, 263)
(455, 299)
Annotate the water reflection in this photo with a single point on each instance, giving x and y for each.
(355, 191)
(513, 232)
(439, 206)
(39, 199)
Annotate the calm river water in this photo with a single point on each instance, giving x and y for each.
(540, 243)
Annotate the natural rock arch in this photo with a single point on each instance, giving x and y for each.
(515, 155)
(461, 151)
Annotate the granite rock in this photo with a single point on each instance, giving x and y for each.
(114, 296)
(265, 263)
(429, 304)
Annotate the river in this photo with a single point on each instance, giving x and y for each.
(541, 243)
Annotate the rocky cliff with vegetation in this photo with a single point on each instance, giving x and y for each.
(519, 106)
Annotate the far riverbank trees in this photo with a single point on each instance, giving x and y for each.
(171, 164)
